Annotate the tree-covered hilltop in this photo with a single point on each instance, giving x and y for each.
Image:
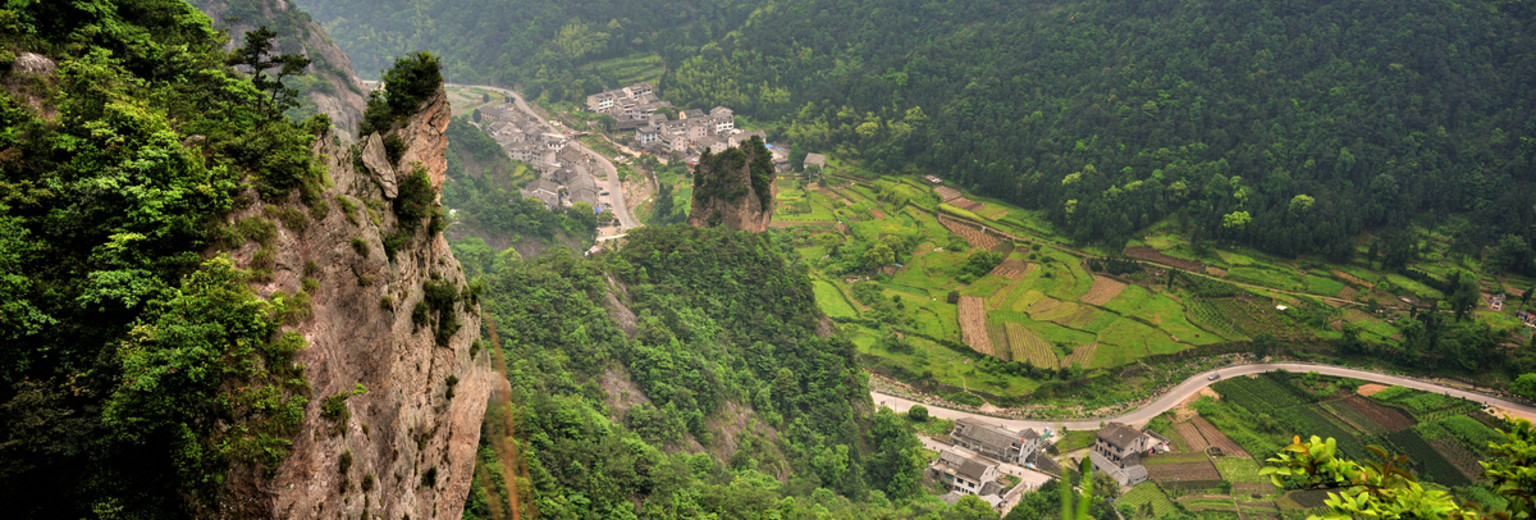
(1292, 127)
(687, 375)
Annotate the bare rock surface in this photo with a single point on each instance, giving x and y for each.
(377, 161)
(414, 407)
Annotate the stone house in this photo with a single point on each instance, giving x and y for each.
(995, 441)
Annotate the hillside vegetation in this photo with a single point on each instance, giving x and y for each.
(1291, 127)
(137, 368)
(686, 375)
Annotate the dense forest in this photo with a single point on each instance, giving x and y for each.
(1292, 127)
(128, 333)
(688, 375)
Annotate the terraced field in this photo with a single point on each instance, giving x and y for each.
(973, 235)
(973, 324)
(1104, 289)
(1028, 347)
(1012, 269)
(1081, 356)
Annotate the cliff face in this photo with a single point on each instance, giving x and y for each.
(734, 188)
(335, 90)
(396, 407)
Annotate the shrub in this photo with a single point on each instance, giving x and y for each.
(415, 200)
(394, 148)
(361, 246)
(918, 413)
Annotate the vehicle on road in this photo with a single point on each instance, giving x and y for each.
(1213, 377)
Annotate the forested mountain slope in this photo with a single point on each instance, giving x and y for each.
(687, 375)
(210, 310)
(1290, 126)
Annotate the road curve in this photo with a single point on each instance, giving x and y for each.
(1196, 382)
(612, 185)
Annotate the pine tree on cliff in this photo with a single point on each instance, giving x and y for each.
(734, 188)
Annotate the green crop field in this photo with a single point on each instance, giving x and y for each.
(1149, 493)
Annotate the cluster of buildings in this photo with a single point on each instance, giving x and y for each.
(971, 467)
(982, 454)
(637, 109)
(523, 136)
(1527, 317)
(563, 188)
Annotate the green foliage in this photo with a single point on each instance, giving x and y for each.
(1384, 488)
(415, 199)
(409, 83)
(137, 374)
(1142, 109)
(918, 413)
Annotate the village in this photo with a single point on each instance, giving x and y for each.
(636, 109)
(998, 464)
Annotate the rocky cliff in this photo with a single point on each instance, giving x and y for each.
(399, 384)
(329, 85)
(734, 188)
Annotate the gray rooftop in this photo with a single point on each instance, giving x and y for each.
(1119, 435)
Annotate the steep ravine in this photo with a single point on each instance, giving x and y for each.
(405, 445)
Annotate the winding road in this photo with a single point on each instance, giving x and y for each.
(1191, 386)
(612, 185)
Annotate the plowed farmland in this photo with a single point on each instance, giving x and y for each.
(973, 235)
(1104, 289)
(973, 324)
(1012, 269)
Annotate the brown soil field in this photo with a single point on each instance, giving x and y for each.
(1192, 438)
(1185, 473)
(1218, 439)
(1104, 289)
(1215, 271)
(947, 193)
(1028, 347)
(967, 204)
(1012, 269)
(972, 234)
(1388, 417)
(1352, 279)
(1147, 253)
(973, 324)
(1348, 293)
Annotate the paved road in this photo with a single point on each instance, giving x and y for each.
(611, 185)
(1195, 383)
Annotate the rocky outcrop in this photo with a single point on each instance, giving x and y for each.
(394, 421)
(376, 159)
(339, 93)
(426, 142)
(734, 188)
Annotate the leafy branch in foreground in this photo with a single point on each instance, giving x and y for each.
(1386, 489)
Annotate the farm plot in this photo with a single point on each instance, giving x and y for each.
(1082, 356)
(973, 235)
(1182, 471)
(1426, 461)
(947, 193)
(1426, 406)
(1214, 437)
(1353, 417)
(1149, 493)
(1028, 347)
(1147, 253)
(973, 324)
(1104, 289)
(1387, 417)
(1012, 269)
(1194, 441)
